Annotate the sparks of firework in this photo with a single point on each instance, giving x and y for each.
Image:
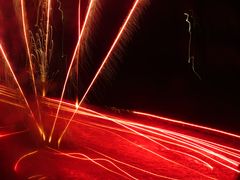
(42, 50)
(24, 25)
(91, 4)
(78, 53)
(102, 65)
(47, 28)
(21, 91)
(208, 154)
(23, 157)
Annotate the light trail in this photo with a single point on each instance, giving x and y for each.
(190, 148)
(95, 114)
(164, 158)
(70, 66)
(207, 151)
(102, 65)
(86, 157)
(20, 89)
(24, 25)
(180, 135)
(187, 124)
(47, 29)
(22, 158)
(184, 142)
(11, 134)
(194, 157)
(131, 166)
(78, 53)
(184, 146)
(37, 176)
(106, 160)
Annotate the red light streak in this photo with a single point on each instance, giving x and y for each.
(22, 158)
(71, 155)
(129, 165)
(78, 53)
(165, 145)
(201, 152)
(102, 65)
(181, 136)
(187, 124)
(191, 143)
(19, 87)
(70, 66)
(102, 159)
(37, 176)
(203, 149)
(158, 155)
(11, 134)
(47, 29)
(24, 25)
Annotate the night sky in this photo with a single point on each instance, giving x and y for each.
(154, 74)
(149, 70)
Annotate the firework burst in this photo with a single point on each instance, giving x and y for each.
(87, 142)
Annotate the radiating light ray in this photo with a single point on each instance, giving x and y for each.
(187, 124)
(11, 134)
(102, 65)
(11, 103)
(47, 28)
(71, 64)
(20, 89)
(194, 150)
(78, 53)
(90, 159)
(24, 25)
(22, 158)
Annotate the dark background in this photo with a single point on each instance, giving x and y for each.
(149, 69)
(154, 75)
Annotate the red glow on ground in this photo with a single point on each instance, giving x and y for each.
(101, 144)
